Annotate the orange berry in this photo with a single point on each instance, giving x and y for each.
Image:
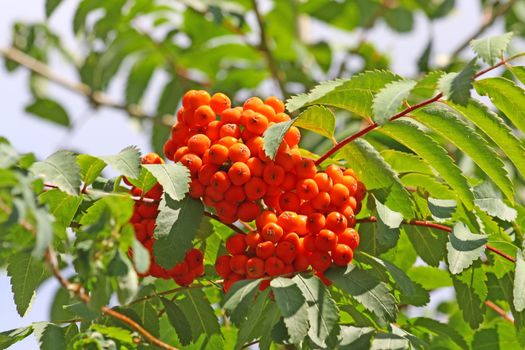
(335, 173)
(293, 238)
(286, 251)
(170, 147)
(350, 237)
(264, 250)
(218, 154)
(289, 201)
(231, 115)
(342, 255)
(252, 239)
(180, 152)
(350, 182)
(292, 136)
(289, 182)
(320, 261)
(308, 243)
(273, 266)
(256, 166)
(265, 217)
(206, 172)
(289, 221)
(239, 152)
(230, 129)
(266, 110)
(285, 159)
(336, 222)
(235, 194)
(186, 99)
(219, 102)
(254, 268)
(305, 169)
(252, 103)
(323, 181)
(235, 244)
(198, 98)
(257, 124)
(152, 158)
(238, 264)
(179, 133)
(306, 208)
(272, 232)
(192, 162)
(273, 174)
(203, 116)
(222, 266)
(198, 144)
(212, 131)
(301, 262)
(196, 189)
(307, 189)
(248, 211)
(213, 194)
(348, 213)
(325, 240)
(339, 194)
(239, 173)
(281, 117)
(276, 103)
(220, 181)
(321, 201)
(255, 188)
(315, 222)
(226, 209)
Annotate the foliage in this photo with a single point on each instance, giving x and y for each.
(444, 173)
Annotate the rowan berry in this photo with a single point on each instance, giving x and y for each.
(335, 173)
(231, 115)
(230, 129)
(255, 268)
(325, 240)
(289, 182)
(293, 238)
(257, 123)
(239, 173)
(289, 221)
(220, 181)
(196, 189)
(198, 98)
(336, 222)
(227, 141)
(281, 117)
(170, 147)
(305, 169)
(219, 102)
(255, 188)
(264, 249)
(320, 261)
(222, 266)
(315, 222)
(256, 166)
(301, 262)
(265, 217)
(247, 211)
(218, 154)
(273, 174)
(194, 258)
(276, 103)
(239, 152)
(324, 182)
(235, 194)
(252, 239)
(226, 210)
(181, 151)
(238, 263)
(236, 244)
(289, 201)
(350, 182)
(230, 281)
(339, 194)
(292, 136)
(272, 232)
(350, 237)
(273, 266)
(198, 144)
(342, 255)
(286, 160)
(212, 131)
(307, 189)
(267, 111)
(214, 195)
(203, 116)
(286, 251)
(192, 162)
(252, 103)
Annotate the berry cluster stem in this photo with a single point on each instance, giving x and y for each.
(434, 225)
(404, 112)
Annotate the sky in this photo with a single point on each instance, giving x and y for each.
(106, 131)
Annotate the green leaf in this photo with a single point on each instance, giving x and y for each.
(456, 86)
(488, 201)
(49, 110)
(49, 336)
(175, 229)
(387, 216)
(199, 313)
(506, 96)
(372, 169)
(519, 282)
(145, 182)
(90, 167)
(250, 328)
(178, 321)
(26, 274)
(377, 238)
(403, 162)
(174, 178)
(301, 100)
(389, 341)
(469, 302)
(122, 335)
(141, 257)
(440, 329)
(428, 243)
(318, 119)
(495, 128)
(61, 205)
(463, 248)
(293, 307)
(445, 122)
(13, 336)
(491, 49)
(414, 138)
(323, 312)
(139, 76)
(366, 289)
(44, 231)
(147, 316)
(355, 338)
(441, 210)
(390, 98)
(127, 162)
(273, 137)
(238, 299)
(518, 72)
(430, 277)
(60, 169)
(8, 155)
(51, 5)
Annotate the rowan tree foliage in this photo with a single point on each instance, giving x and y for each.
(441, 155)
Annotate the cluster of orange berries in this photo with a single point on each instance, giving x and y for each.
(305, 217)
(143, 220)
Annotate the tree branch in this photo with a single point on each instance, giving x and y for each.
(490, 17)
(437, 226)
(404, 112)
(80, 292)
(499, 311)
(98, 98)
(277, 74)
(232, 226)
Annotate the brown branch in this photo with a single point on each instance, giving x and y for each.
(98, 98)
(403, 113)
(499, 310)
(80, 292)
(437, 226)
(167, 292)
(232, 226)
(277, 74)
(490, 17)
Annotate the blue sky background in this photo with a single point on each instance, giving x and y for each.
(106, 131)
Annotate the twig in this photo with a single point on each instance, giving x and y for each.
(499, 311)
(232, 226)
(277, 74)
(434, 225)
(80, 292)
(490, 17)
(97, 98)
(167, 292)
(404, 112)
